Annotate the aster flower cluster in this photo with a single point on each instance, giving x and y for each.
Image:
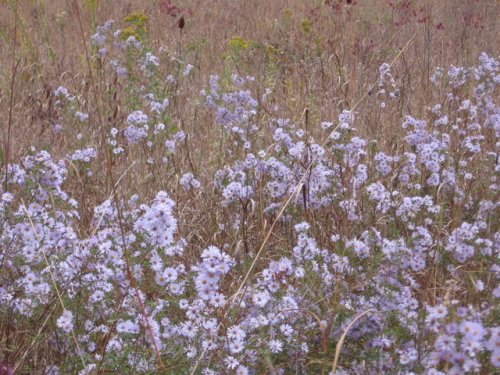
(235, 111)
(147, 128)
(387, 87)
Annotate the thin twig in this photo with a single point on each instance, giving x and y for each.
(342, 338)
(11, 104)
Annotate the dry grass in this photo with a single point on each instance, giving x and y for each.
(324, 69)
(327, 68)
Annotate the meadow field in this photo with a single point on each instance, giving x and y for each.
(249, 187)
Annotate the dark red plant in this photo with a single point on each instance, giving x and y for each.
(174, 11)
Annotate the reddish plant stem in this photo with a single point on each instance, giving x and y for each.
(15, 64)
